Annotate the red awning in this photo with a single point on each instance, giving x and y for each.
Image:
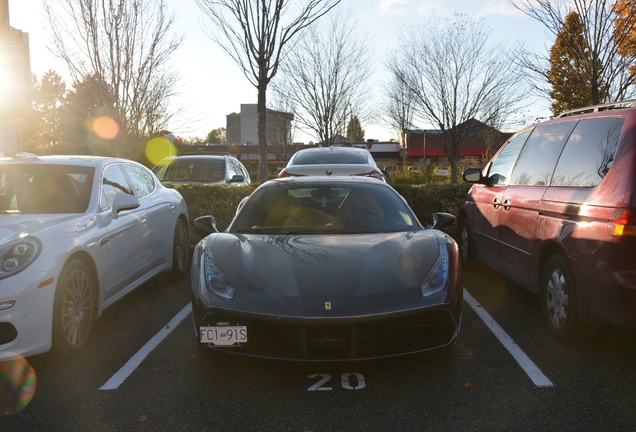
(417, 152)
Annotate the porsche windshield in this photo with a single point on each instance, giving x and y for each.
(322, 208)
(42, 189)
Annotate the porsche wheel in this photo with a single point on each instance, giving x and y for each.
(180, 250)
(559, 301)
(74, 308)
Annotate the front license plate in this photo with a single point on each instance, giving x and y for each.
(223, 335)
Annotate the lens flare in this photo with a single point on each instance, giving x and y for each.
(159, 148)
(17, 384)
(103, 127)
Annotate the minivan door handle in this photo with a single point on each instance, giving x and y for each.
(506, 204)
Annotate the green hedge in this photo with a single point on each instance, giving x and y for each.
(221, 201)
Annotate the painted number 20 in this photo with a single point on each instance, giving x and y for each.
(348, 381)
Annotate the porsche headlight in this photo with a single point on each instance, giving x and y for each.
(437, 279)
(16, 256)
(215, 282)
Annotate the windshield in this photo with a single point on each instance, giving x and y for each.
(322, 208)
(195, 170)
(41, 189)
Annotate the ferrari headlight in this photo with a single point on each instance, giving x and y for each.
(437, 279)
(16, 256)
(215, 282)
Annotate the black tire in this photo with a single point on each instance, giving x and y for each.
(74, 309)
(180, 250)
(559, 300)
(465, 242)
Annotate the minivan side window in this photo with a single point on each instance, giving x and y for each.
(538, 157)
(501, 165)
(589, 153)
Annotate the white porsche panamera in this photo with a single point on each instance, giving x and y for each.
(77, 233)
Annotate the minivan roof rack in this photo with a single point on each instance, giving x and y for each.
(603, 107)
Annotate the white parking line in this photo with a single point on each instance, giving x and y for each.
(134, 362)
(535, 374)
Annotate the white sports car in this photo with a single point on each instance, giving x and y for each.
(77, 233)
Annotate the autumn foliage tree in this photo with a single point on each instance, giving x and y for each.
(625, 23)
(575, 75)
(593, 51)
(216, 136)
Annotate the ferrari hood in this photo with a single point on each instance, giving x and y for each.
(319, 265)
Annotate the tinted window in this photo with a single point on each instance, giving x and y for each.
(244, 172)
(208, 170)
(538, 157)
(589, 153)
(232, 168)
(113, 184)
(501, 165)
(331, 157)
(142, 182)
(324, 208)
(41, 189)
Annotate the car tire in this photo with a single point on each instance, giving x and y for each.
(180, 250)
(466, 252)
(74, 309)
(559, 300)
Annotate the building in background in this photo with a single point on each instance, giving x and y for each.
(15, 82)
(242, 130)
(425, 148)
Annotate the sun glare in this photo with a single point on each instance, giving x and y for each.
(104, 127)
(159, 148)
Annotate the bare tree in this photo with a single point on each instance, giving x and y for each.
(258, 33)
(398, 111)
(129, 44)
(456, 75)
(324, 78)
(610, 72)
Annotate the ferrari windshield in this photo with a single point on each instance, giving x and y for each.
(345, 207)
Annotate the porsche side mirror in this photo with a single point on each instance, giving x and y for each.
(122, 202)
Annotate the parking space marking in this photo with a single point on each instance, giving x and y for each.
(122, 374)
(531, 369)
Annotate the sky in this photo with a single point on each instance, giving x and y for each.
(212, 85)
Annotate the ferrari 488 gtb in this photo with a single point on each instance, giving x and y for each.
(318, 268)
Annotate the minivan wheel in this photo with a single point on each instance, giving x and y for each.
(559, 302)
(466, 253)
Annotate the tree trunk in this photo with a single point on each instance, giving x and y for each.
(263, 171)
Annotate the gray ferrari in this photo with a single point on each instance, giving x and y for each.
(317, 268)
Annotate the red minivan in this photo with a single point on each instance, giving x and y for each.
(555, 211)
